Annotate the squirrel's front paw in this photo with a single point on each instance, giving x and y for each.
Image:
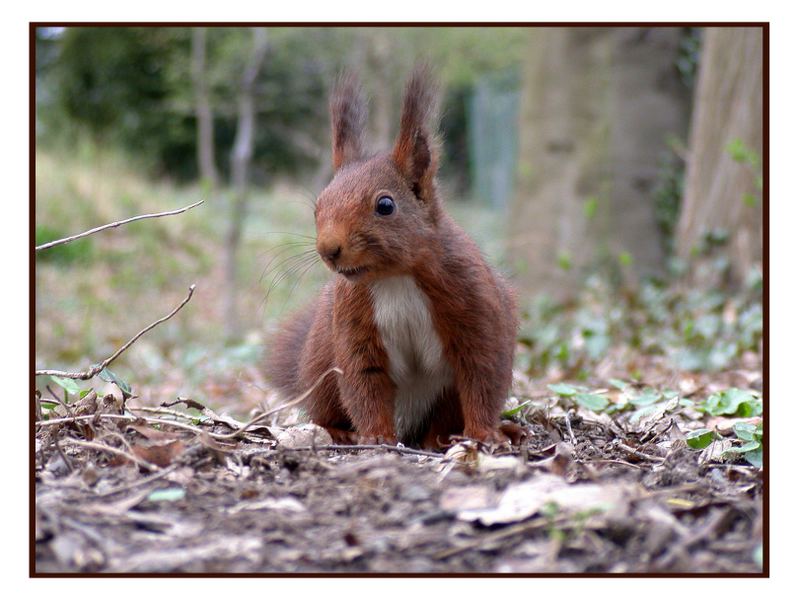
(513, 432)
(376, 439)
(489, 437)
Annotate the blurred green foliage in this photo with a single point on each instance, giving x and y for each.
(131, 87)
(693, 329)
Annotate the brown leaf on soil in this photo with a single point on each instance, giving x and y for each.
(217, 418)
(152, 434)
(724, 425)
(161, 455)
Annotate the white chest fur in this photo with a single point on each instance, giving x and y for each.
(416, 361)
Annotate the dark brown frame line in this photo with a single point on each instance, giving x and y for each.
(763, 25)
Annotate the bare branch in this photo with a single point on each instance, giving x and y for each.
(116, 224)
(99, 367)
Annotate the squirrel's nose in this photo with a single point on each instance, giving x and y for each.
(330, 252)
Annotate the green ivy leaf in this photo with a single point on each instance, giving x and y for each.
(562, 389)
(745, 431)
(747, 447)
(647, 398)
(618, 384)
(595, 402)
(733, 402)
(755, 457)
(70, 385)
(514, 411)
(111, 377)
(700, 438)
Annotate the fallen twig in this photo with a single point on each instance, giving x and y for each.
(713, 523)
(609, 461)
(569, 428)
(503, 533)
(272, 411)
(37, 405)
(149, 479)
(99, 367)
(63, 456)
(160, 410)
(116, 451)
(389, 447)
(132, 418)
(639, 454)
(72, 238)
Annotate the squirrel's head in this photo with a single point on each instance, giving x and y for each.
(379, 211)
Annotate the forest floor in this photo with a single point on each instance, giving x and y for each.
(625, 492)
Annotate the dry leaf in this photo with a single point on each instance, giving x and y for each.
(523, 500)
(470, 497)
(307, 434)
(161, 455)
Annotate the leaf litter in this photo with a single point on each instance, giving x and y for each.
(609, 479)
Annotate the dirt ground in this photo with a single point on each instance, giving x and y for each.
(585, 493)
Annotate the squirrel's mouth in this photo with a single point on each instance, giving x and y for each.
(351, 272)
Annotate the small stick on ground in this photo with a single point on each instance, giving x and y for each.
(714, 522)
(116, 451)
(145, 480)
(72, 238)
(502, 534)
(131, 419)
(639, 454)
(272, 411)
(569, 428)
(63, 456)
(37, 405)
(388, 447)
(610, 461)
(63, 404)
(159, 410)
(83, 375)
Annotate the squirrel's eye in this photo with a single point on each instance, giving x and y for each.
(385, 206)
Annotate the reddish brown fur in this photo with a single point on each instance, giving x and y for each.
(472, 308)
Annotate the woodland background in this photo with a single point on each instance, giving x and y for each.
(603, 169)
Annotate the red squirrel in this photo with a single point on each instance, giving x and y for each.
(422, 328)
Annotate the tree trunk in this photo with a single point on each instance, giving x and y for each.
(202, 109)
(240, 159)
(722, 189)
(596, 107)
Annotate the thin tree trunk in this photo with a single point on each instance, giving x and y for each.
(240, 159)
(722, 190)
(202, 108)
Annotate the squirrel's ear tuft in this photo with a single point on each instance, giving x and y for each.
(347, 120)
(416, 149)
